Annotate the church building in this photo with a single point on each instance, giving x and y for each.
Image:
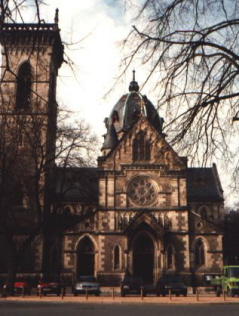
(146, 212)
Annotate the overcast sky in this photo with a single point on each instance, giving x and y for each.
(98, 26)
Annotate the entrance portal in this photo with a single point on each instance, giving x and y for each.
(143, 258)
(85, 257)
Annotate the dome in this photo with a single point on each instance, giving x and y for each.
(130, 107)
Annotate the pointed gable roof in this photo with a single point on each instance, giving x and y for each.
(203, 185)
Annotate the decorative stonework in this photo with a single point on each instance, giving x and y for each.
(142, 191)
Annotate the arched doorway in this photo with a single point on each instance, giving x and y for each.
(143, 257)
(85, 257)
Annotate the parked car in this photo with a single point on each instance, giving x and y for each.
(173, 283)
(21, 286)
(50, 287)
(86, 284)
(132, 285)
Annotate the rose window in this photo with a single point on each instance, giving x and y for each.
(142, 191)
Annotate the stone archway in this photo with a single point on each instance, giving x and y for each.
(143, 257)
(85, 257)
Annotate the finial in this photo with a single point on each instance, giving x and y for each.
(57, 16)
(134, 84)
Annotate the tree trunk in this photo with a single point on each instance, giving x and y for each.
(12, 272)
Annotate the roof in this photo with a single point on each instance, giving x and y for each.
(127, 111)
(80, 185)
(203, 185)
(76, 185)
(111, 139)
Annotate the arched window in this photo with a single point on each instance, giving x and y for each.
(203, 211)
(24, 82)
(199, 253)
(67, 210)
(21, 138)
(170, 257)
(141, 147)
(116, 257)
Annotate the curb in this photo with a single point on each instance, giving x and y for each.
(192, 300)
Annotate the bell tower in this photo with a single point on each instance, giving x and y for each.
(31, 55)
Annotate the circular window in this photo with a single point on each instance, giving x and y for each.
(142, 190)
(199, 224)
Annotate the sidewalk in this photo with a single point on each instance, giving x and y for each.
(191, 299)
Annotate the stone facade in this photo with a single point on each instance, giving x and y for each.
(154, 214)
(142, 210)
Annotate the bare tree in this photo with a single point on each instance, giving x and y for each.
(13, 10)
(26, 169)
(189, 50)
(231, 229)
(32, 145)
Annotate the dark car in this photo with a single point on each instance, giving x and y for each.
(45, 287)
(171, 283)
(132, 285)
(21, 286)
(86, 284)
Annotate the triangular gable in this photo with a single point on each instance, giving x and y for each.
(160, 151)
(145, 217)
(203, 225)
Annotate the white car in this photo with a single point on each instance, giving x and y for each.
(86, 284)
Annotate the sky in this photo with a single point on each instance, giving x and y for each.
(92, 32)
(97, 27)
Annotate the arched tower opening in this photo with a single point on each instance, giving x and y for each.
(24, 83)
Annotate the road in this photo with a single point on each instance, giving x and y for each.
(12, 308)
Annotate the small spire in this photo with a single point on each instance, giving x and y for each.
(111, 139)
(134, 84)
(57, 16)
